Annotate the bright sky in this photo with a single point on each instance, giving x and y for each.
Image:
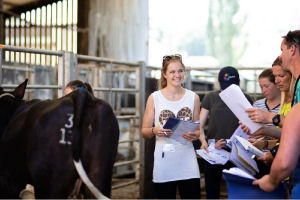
(179, 20)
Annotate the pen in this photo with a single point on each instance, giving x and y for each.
(164, 131)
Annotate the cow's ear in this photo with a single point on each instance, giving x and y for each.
(20, 90)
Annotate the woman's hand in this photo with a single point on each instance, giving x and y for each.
(267, 131)
(220, 144)
(258, 143)
(259, 115)
(191, 136)
(161, 132)
(244, 128)
(204, 145)
(267, 158)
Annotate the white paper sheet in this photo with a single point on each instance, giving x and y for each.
(214, 156)
(237, 171)
(249, 147)
(235, 99)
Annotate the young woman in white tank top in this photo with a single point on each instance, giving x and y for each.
(175, 164)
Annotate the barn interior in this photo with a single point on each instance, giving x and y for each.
(104, 43)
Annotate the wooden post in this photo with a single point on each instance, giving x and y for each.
(2, 30)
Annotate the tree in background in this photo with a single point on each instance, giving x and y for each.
(224, 32)
(194, 47)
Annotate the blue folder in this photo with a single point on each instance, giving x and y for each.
(242, 188)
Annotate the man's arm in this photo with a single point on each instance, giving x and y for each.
(288, 153)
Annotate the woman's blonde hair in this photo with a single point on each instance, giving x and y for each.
(278, 62)
(162, 82)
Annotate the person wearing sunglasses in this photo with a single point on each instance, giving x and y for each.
(286, 162)
(175, 163)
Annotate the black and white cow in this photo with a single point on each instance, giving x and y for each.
(41, 140)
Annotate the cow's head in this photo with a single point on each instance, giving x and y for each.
(9, 102)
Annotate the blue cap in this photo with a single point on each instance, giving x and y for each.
(227, 76)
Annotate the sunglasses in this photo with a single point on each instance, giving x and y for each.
(169, 57)
(290, 37)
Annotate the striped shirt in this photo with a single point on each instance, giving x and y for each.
(262, 103)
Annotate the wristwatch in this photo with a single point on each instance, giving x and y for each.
(276, 120)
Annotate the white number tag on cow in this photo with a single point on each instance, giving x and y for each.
(168, 148)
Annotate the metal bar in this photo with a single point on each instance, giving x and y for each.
(119, 69)
(25, 35)
(64, 71)
(56, 33)
(127, 116)
(19, 28)
(106, 60)
(18, 69)
(9, 39)
(30, 34)
(32, 50)
(46, 31)
(51, 12)
(41, 23)
(35, 34)
(72, 22)
(126, 141)
(116, 89)
(211, 68)
(125, 162)
(124, 184)
(61, 21)
(67, 23)
(11, 86)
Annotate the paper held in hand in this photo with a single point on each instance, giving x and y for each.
(214, 156)
(236, 101)
(178, 127)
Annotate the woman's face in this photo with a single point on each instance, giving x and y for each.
(269, 89)
(282, 78)
(68, 90)
(174, 74)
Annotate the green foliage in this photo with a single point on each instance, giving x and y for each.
(224, 32)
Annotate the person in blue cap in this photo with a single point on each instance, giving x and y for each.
(221, 125)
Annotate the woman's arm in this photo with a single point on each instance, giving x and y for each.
(288, 153)
(147, 129)
(203, 117)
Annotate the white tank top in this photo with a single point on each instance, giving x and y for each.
(173, 160)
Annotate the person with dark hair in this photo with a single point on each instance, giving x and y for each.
(175, 164)
(75, 84)
(268, 105)
(221, 125)
(286, 161)
(271, 102)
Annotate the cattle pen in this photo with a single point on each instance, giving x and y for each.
(124, 85)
